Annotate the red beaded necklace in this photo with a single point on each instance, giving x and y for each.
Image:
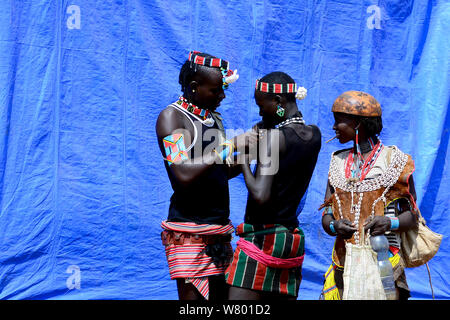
(355, 169)
(202, 113)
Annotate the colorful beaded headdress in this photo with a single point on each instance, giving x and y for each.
(229, 76)
(300, 93)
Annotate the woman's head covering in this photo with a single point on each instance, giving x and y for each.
(357, 103)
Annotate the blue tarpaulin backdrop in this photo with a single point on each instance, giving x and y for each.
(82, 183)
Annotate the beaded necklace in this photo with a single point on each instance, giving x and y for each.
(289, 121)
(360, 168)
(201, 114)
(387, 179)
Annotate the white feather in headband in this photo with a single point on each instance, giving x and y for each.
(231, 77)
(301, 93)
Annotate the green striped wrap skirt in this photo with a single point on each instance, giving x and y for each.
(276, 241)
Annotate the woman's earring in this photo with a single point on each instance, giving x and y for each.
(280, 111)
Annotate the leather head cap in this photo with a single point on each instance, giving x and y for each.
(357, 103)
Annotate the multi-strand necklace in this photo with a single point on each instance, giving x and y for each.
(387, 179)
(360, 168)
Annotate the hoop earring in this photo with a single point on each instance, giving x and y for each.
(280, 111)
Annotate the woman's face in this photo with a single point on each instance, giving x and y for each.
(344, 126)
(267, 109)
(208, 90)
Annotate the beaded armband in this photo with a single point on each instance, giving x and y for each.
(332, 227)
(174, 148)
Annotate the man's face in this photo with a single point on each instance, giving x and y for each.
(209, 92)
(267, 108)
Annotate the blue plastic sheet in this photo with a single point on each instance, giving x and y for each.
(82, 184)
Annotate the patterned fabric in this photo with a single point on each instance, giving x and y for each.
(392, 236)
(255, 253)
(277, 241)
(190, 261)
(330, 291)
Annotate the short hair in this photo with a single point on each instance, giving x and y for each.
(373, 125)
(190, 69)
(281, 78)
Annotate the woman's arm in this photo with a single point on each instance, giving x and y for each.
(406, 218)
(342, 227)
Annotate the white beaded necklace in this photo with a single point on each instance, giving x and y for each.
(387, 179)
(289, 121)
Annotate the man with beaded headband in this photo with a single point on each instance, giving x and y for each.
(370, 187)
(191, 137)
(269, 255)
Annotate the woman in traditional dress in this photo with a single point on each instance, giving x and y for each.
(370, 187)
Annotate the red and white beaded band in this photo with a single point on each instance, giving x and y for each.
(276, 87)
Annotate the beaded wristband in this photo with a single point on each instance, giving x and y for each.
(328, 210)
(332, 227)
(395, 223)
(227, 150)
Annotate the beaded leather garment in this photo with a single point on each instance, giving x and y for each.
(357, 200)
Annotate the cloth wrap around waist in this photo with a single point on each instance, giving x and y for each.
(186, 245)
(267, 258)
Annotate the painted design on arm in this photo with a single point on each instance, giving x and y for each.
(175, 148)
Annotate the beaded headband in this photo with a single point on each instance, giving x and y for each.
(208, 62)
(275, 87)
(228, 76)
(300, 92)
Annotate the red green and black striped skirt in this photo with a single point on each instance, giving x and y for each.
(275, 241)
